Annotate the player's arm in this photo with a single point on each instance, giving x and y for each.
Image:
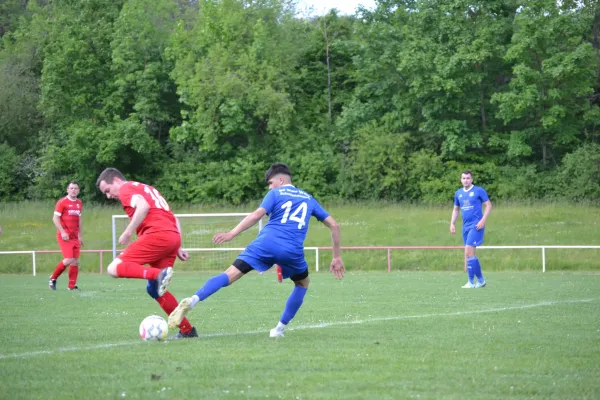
(141, 210)
(181, 254)
(486, 213)
(248, 221)
(337, 265)
(80, 234)
(455, 211)
(56, 220)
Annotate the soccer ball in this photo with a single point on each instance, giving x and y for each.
(154, 328)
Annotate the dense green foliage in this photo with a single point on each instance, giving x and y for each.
(199, 97)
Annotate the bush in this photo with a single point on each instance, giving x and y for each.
(9, 176)
(579, 176)
(377, 166)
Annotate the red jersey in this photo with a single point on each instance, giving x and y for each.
(159, 217)
(69, 212)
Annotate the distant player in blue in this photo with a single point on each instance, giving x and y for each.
(280, 242)
(469, 200)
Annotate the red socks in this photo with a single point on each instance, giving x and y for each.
(168, 303)
(129, 269)
(73, 272)
(60, 268)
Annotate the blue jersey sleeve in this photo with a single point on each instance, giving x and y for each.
(483, 195)
(269, 201)
(319, 212)
(456, 203)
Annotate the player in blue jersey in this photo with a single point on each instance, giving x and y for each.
(280, 242)
(469, 199)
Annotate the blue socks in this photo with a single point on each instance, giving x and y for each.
(293, 304)
(474, 269)
(212, 285)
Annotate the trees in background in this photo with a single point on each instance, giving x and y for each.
(200, 97)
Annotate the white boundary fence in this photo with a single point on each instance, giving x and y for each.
(317, 249)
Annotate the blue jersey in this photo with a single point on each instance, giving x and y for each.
(470, 202)
(289, 210)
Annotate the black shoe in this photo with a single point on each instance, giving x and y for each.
(52, 284)
(74, 288)
(180, 335)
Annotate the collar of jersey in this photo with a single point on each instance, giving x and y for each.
(469, 189)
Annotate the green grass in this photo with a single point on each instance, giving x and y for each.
(374, 335)
(28, 226)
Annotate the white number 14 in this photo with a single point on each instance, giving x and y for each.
(302, 208)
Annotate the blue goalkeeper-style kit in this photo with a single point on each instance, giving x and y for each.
(470, 202)
(281, 241)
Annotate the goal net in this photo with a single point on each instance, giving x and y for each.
(197, 232)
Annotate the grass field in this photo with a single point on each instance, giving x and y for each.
(28, 226)
(374, 335)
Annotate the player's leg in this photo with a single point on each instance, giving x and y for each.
(210, 287)
(294, 301)
(67, 253)
(157, 288)
(147, 249)
(74, 265)
(168, 303)
(475, 238)
(468, 253)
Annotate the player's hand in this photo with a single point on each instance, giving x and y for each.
(452, 229)
(64, 236)
(221, 238)
(480, 225)
(337, 267)
(125, 238)
(182, 255)
(80, 242)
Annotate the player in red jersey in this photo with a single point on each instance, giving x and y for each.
(67, 219)
(158, 242)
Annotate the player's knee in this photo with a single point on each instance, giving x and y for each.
(233, 274)
(302, 280)
(469, 251)
(152, 289)
(112, 268)
(303, 283)
(67, 261)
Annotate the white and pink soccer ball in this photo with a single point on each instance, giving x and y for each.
(154, 328)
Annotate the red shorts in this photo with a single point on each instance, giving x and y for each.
(70, 248)
(157, 249)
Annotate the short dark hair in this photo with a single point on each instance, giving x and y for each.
(108, 175)
(276, 169)
(73, 183)
(467, 172)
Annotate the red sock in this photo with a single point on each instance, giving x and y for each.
(60, 268)
(73, 272)
(132, 270)
(168, 303)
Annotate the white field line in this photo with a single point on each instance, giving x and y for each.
(311, 326)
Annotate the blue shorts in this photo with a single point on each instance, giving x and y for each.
(262, 260)
(472, 236)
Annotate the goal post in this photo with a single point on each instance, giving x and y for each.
(197, 233)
